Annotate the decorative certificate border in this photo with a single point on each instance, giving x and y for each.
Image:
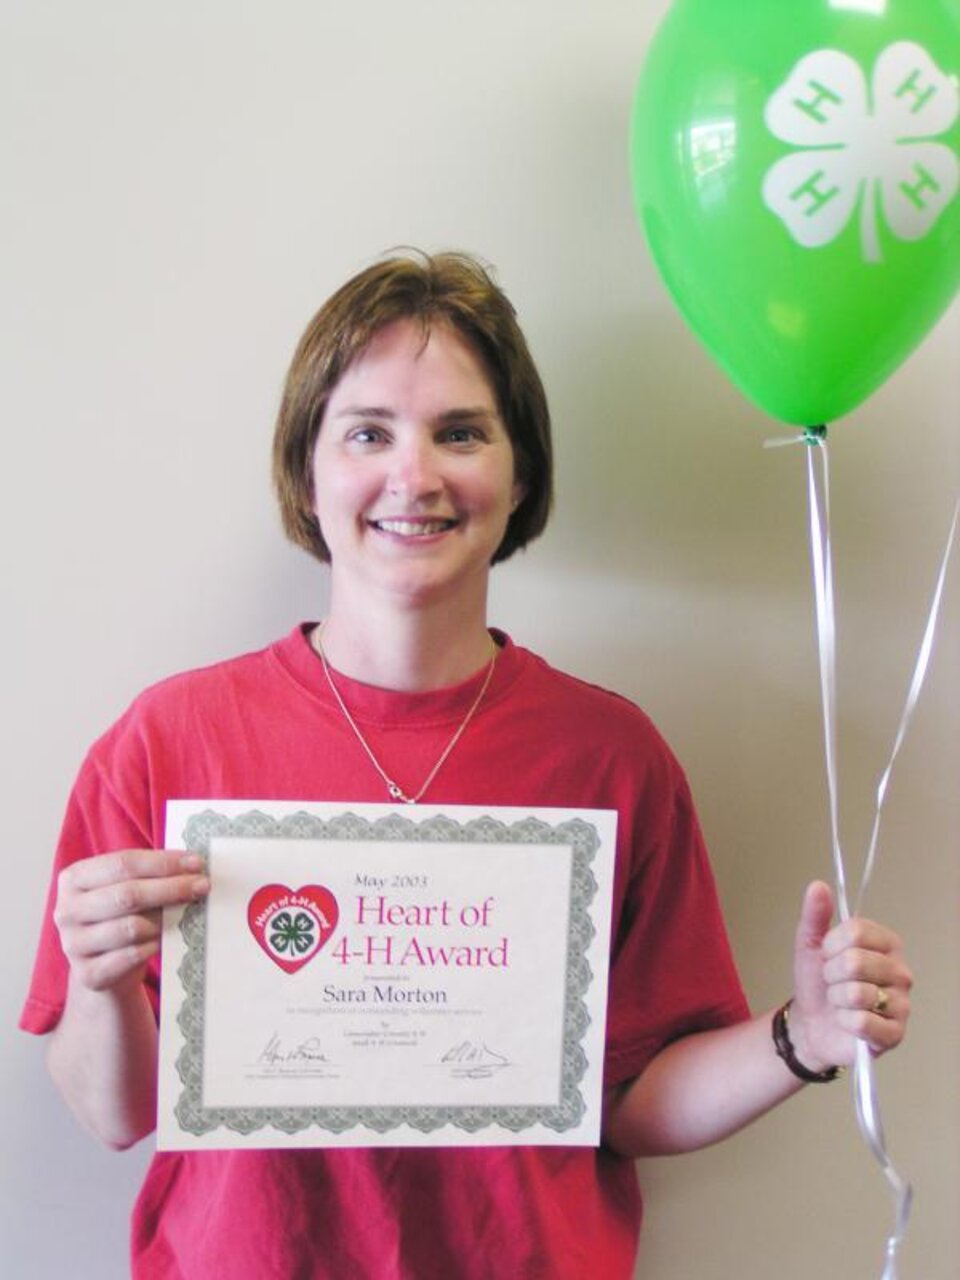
(580, 836)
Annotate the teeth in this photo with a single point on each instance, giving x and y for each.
(409, 528)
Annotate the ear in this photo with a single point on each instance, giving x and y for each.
(518, 493)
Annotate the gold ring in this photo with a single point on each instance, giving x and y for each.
(881, 1002)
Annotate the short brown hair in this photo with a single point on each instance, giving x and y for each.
(446, 288)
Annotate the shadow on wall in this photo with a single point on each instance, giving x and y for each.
(660, 460)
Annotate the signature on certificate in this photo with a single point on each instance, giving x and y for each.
(473, 1060)
(275, 1054)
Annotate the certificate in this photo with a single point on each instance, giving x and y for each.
(363, 975)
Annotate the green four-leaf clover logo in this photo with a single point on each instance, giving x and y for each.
(863, 147)
(295, 934)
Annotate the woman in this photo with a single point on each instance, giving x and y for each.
(412, 451)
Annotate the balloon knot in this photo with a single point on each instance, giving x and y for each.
(808, 435)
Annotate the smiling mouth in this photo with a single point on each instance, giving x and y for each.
(407, 528)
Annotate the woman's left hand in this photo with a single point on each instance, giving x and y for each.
(850, 983)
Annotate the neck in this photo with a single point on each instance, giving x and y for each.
(412, 650)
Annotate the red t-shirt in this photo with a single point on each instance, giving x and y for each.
(265, 726)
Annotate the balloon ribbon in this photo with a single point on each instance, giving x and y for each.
(866, 1100)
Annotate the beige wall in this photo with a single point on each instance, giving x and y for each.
(182, 186)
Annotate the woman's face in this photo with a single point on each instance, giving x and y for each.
(413, 469)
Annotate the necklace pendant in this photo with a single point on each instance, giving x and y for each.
(394, 792)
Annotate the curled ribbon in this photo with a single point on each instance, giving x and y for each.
(866, 1099)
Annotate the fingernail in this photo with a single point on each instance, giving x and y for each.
(191, 862)
(201, 887)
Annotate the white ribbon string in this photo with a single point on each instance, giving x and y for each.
(822, 558)
(913, 697)
(866, 1099)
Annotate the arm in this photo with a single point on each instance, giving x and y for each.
(706, 1086)
(103, 1053)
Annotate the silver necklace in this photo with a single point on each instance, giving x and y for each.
(395, 791)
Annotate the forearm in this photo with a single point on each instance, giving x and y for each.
(103, 1058)
(103, 1053)
(699, 1090)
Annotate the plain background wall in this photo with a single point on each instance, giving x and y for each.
(182, 186)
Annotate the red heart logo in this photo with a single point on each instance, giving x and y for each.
(292, 925)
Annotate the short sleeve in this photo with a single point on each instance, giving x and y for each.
(672, 969)
(99, 819)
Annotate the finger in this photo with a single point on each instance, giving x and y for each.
(869, 997)
(816, 913)
(130, 898)
(879, 968)
(863, 935)
(880, 1033)
(128, 864)
(83, 942)
(104, 971)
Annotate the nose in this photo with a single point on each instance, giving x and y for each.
(414, 473)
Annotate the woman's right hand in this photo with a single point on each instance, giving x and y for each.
(108, 910)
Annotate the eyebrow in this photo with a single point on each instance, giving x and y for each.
(450, 415)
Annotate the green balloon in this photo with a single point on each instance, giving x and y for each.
(795, 171)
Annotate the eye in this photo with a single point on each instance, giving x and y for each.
(462, 433)
(366, 434)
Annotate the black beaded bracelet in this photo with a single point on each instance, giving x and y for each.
(785, 1050)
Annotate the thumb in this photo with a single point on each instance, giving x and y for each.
(816, 916)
